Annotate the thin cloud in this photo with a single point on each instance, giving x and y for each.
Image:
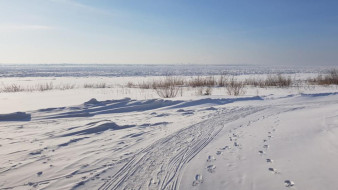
(81, 6)
(24, 27)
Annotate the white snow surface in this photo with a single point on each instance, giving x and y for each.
(121, 138)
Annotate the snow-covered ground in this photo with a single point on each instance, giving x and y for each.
(129, 138)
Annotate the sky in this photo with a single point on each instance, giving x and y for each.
(269, 32)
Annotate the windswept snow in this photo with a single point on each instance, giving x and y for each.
(223, 143)
(18, 116)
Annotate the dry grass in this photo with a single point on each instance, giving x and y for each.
(37, 87)
(169, 87)
(329, 79)
(202, 81)
(235, 88)
(12, 88)
(145, 85)
(222, 81)
(95, 85)
(130, 84)
(168, 81)
(43, 87)
(66, 86)
(277, 80)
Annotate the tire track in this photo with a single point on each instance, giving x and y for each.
(160, 165)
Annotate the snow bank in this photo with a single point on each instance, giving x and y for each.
(17, 116)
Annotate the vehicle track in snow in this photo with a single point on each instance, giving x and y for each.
(160, 165)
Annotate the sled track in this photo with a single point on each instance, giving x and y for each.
(159, 165)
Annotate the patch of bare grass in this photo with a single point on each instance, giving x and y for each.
(329, 79)
(95, 85)
(169, 87)
(12, 88)
(277, 80)
(235, 88)
(202, 81)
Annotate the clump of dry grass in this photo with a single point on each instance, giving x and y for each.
(168, 81)
(95, 85)
(43, 87)
(145, 85)
(12, 88)
(202, 81)
(278, 80)
(271, 80)
(256, 82)
(66, 86)
(235, 87)
(37, 87)
(329, 79)
(130, 84)
(169, 87)
(222, 80)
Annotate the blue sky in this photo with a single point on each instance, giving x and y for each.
(276, 32)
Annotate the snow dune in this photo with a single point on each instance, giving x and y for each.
(17, 116)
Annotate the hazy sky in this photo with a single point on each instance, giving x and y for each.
(169, 31)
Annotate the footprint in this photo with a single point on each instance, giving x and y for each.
(198, 180)
(31, 183)
(273, 170)
(264, 140)
(269, 160)
(39, 173)
(219, 152)
(211, 168)
(236, 144)
(289, 183)
(261, 152)
(211, 159)
(224, 148)
(265, 146)
(153, 182)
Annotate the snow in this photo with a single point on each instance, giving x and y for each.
(17, 116)
(129, 138)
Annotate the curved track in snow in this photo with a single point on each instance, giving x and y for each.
(160, 165)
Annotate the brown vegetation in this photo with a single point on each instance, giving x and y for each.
(329, 79)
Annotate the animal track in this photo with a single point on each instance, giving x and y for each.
(198, 180)
(219, 152)
(265, 146)
(153, 182)
(269, 160)
(224, 148)
(289, 183)
(261, 152)
(273, 170)
(211, 159)
(211, 168)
